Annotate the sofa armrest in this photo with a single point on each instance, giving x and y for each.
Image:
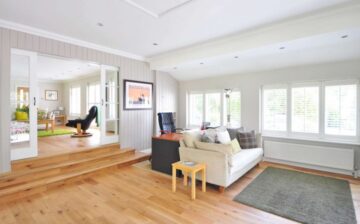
(217, 163)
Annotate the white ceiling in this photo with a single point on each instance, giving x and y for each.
(323, 48)
(53, 69)
(132, 30)
(190, 32)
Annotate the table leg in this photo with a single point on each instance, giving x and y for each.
(193, 183)
(173, 179)
(185, 178)
(204, 180)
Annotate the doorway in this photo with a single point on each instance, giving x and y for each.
(48, 91)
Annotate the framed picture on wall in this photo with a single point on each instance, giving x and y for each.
(138, 95)
(51, 95)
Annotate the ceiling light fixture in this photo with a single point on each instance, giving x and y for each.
(155, 44)
(100, 24)
(201, 63)
(344, 36)
(281, 48)
(236, 57)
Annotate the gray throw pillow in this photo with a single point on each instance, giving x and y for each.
(234, 131)
(247, 140)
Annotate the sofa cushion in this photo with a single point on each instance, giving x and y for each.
(241, 159)
(223, 148)
(234, 131)
(190, 137)
(247, 140)
(235, 146)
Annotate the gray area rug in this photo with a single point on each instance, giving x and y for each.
(301, 197)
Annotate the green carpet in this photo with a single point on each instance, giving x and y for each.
(302, 197)
(48, 133)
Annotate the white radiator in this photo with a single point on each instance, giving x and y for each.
(337, 158)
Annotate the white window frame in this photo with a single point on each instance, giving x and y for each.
(312, 136)
(70, 96)
(222, 105)
(304, 134)
(88, 95)
(273, 132)
(356, 137)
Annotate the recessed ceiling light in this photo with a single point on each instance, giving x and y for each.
(344, 36)
(100, 24)
(236, 57)
(155, 44)
(282, 48)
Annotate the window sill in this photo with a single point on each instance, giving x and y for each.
(336, 141)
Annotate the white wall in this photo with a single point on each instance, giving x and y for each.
(166, 90)
(49, 104)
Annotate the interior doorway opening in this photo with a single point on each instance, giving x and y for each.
(47, 92)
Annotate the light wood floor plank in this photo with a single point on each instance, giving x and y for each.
(134, 195)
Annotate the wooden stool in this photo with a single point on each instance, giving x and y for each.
(192, 170)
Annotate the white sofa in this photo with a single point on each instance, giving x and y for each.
(223, 169)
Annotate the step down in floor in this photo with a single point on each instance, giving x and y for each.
(32, 176)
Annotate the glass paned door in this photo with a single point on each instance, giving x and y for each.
(110, 104)
(23, 124)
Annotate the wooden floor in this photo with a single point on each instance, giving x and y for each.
(54, 145)
(135, 195)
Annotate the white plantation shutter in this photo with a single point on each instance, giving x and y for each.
(213, 108)
(235, 109)
(75, 99)
(196, 109)
(305, 109)
(275, 109)
(340, 110)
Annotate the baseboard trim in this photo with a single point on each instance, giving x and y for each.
(314, 167)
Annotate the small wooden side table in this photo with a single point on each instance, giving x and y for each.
(186, 171)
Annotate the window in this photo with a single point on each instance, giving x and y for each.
(234, 106)
(340, 110)
(275, 109)
(93, 95)
(327, 110)
(305, 109)
(213, 108)
(75, 96)
(196, 108)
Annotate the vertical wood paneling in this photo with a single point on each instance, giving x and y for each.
(136, 127)
(5, 99)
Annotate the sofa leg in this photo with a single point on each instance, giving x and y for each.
(221, 189)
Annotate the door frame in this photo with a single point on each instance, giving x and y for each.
(103, 138)
(32, 150)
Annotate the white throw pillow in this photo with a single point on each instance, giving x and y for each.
(190, 137)
(223, 148)
(223, 137)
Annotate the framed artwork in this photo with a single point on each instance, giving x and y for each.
(138, 95)
(51, 95)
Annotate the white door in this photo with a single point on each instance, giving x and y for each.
(23, 93)
(109, 104)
